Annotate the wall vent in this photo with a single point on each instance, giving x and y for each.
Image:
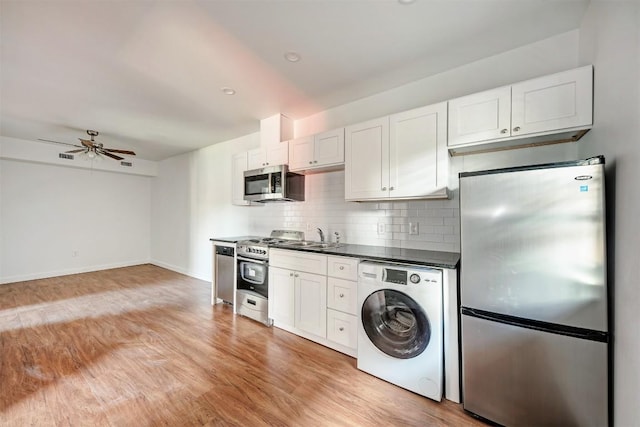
(65, 156)
(128, 164)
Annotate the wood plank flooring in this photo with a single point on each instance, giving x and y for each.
(142, 346)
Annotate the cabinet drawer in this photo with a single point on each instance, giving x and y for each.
(342, 295)
(298, 261)
(342, 267)
(342, 328)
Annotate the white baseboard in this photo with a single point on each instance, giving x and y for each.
(68, 271)
(179, 270)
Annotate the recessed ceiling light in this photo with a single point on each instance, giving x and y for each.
(292, 56)
(228, 91)
(406, 1)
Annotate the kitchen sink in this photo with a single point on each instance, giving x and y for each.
(311, 244)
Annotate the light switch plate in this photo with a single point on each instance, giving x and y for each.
(414, 228)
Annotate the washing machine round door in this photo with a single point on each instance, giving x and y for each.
(395, 324)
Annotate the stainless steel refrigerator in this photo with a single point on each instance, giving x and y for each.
(533, 294)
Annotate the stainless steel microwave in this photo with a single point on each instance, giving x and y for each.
(273, 184)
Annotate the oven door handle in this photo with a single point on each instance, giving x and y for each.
(255, 261)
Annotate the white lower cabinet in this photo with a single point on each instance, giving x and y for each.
(342, 328)
(311, 303)
(304, 301)
(342, 301)
(281, 296)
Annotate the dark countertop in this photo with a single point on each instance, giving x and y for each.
(381, 253)
(233, 239)
(374, 253)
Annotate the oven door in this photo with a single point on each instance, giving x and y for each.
(253, 276)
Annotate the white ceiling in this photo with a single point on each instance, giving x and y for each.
(147, 74)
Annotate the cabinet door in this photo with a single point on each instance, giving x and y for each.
(298, 261)
(342, 295)
(301, 153)
(281, 296)
(311, 303)
(238, 166)
(418, 158)
(558, 101)
(342, 267)
(277, 154)
(366, 160)
(481, 116)
(342, 328)
(256, 158)
(329, 148)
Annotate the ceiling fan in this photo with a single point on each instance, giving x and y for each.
(92, 148)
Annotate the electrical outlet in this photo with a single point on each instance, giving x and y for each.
(74, 253)
(413, 228)
(381, 228)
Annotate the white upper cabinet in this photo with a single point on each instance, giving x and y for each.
(403, 156)
(418, 157)
(366, 160)
(301, 153)
(560, 101)
(481, 116)
(317, 151)
(555, 108)
(271, 155)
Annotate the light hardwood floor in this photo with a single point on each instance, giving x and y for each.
(142, 346)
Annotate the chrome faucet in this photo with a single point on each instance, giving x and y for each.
(321, 235)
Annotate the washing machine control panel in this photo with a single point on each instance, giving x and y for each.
(408, 277)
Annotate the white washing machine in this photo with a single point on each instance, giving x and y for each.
(400, 327)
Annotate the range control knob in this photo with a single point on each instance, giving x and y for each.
(414, 278)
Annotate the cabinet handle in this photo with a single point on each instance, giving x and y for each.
(315, 161)
(290, 274)
(504, 131)
(295, 275)
(516, 129)
(390, 188)
(310, 163)
(384, 188)
(342, 267)
(341, 295)
(341, 328)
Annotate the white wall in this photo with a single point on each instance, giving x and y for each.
(610, 39)
(190, 196)
(438, 220)
(191, 202)
(50, 213)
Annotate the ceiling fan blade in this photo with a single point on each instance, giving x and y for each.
(58, 142)
(86, 142)
(112, 150)
(76, 151)
(113, 156)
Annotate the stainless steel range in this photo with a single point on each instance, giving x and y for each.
(252, 256)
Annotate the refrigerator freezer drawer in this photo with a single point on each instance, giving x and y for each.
(522, 377)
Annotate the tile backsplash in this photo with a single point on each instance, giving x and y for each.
(366, 223)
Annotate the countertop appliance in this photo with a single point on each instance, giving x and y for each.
(400, 326)
(273, 184)
(225, 279)
(252, 279)
(534, 300)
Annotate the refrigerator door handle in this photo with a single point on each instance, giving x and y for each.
(538, 325)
